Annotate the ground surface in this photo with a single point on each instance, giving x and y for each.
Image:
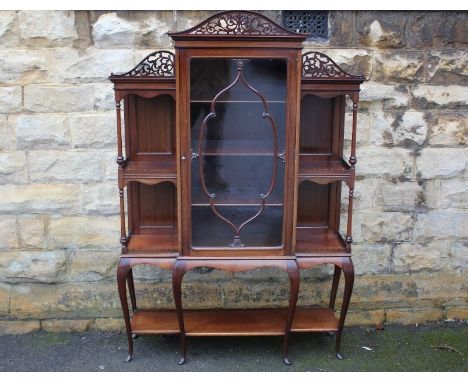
(396, 348)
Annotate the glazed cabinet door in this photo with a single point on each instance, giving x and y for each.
(237, 111)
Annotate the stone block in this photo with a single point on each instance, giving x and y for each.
(19, 327)
(90, 65)
(41, 131)
(398, 128)
(353, 61)
(10, 99)
(341, 23)
(381, 29)
(58, 99)
(365, 317)
(386, 226)
(24, 66)
(431, 256)
(441, 224)
(104, 99)
(133, 28)
(396, 162)
(40, 198)
(109, 324)
(92, 265)
(93, 130)
(8, 230)
(456, 313)
(31, 231)
(377, 96)
(441, 288)
(188, 19)
(400, 66)
(13, 167)
(448, 129)
(84, 232)
(62, 301)
(47, 28)
(110, 165)
(437, 29)
(400, 196)
(370, 258)
(101, 199)
(446, 193)
(438, 97)
(441, 162)
(363, 128)
(413, 316)
(9, 30)
(7, 135)
(65, 166)
(447, 67)
(458, 258)
(367, 195)
(66, 326)
(29, 266)
(4, 300)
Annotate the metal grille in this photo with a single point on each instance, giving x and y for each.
(314, 23)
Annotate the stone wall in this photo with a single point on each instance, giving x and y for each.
(58, 195)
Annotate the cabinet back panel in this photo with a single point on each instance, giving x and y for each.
(155, 126)
(316, 125)
(313, 205)
(154, 207)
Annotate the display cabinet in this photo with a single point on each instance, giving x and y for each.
(234, 161)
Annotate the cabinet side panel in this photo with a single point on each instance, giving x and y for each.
(313, 205)
(155, 125)
(156, 208)
(316, 127)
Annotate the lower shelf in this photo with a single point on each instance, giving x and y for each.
(233, 322)
(318, 241)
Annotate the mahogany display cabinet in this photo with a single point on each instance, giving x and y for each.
(234, 160)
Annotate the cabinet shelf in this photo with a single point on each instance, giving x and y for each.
(164, 242)
(163, 168)
(319, 241)
(323, 167)
(234, 322)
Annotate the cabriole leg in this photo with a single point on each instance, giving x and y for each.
(293, 272)
(131, 289)
(122, 271)
(348, 271)
(177, 275)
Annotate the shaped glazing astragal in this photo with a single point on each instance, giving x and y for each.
(239, 79)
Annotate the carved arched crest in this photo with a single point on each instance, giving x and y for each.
(156, 64)
(316, 65)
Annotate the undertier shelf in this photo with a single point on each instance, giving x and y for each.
(233, 322)
(311, 166)
(318, 241)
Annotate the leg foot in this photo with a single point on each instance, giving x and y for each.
(129, 358)
(339, 356)
(134, 335)
(181, 361)
(287, 361)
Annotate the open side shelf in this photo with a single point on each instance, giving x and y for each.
(163, 168)
(320, 166)
(164, 242)
(234, 322)
(319, 241)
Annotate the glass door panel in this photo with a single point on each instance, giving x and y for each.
(237, 110)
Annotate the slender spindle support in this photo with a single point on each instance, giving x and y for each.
(120, 158)
(123, 232)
